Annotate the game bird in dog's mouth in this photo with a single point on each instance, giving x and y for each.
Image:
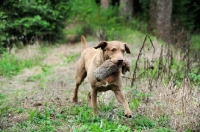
(103, 66)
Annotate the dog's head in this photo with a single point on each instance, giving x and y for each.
(114, 50)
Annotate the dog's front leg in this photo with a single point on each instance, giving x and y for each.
(94, 100)
(120, 96)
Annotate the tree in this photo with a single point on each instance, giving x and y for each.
(160, 18)
(105, 3)
(126, 8)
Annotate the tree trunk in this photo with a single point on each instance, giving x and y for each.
(105, 3)
(126, 8)
(160, 18)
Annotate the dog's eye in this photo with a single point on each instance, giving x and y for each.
(123, 51)
(113, 50)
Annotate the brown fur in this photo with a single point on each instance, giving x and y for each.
(108, 67)
(90, 59)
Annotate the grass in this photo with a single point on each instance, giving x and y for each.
(52, 116)
(70, 58)
(195, 39)
(78, 119)
(157, 104)
(41, 77)
(10, 65)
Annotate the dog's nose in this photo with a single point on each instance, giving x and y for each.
(120, 61)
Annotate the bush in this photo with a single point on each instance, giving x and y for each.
(30, 20)
(187, 13)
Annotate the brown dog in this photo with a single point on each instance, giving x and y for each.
(90, 59)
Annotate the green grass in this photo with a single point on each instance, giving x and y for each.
(70, 58)
(79, 118)
(10, 65)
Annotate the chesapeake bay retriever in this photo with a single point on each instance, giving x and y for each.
(93, 57)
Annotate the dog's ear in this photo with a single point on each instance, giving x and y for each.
(101, 45)
(127, 49)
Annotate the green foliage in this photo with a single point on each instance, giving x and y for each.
(11, 65)
(139, 25)
(97, 19)
(145, 7)
(187, 13)
(194, 76)
(4, 105)
(89, 123)
(79, 118)
(42, 120)
(136, 103)
(164, 121)
(35, 18)
(69, 59)
(195, 46)
(140, 122)
(102, 125)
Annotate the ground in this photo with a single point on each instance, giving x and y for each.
(51, 84)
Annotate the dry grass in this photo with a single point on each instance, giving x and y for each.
(180, 102)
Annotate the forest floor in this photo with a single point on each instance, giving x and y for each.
(50, 86)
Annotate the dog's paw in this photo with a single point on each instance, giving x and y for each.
(128, 114)
(75, 100)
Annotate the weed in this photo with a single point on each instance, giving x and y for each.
(140, 122)
(102, 125)
(194, 76)
(164, 121)
(138, 97)
(69, 59)
(136, 103)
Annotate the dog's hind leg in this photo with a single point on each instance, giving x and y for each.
(79, 77)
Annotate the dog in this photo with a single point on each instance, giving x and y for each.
(91, 58)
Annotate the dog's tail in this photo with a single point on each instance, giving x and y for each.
(83, 42)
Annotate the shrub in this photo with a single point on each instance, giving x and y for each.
(30, 20)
